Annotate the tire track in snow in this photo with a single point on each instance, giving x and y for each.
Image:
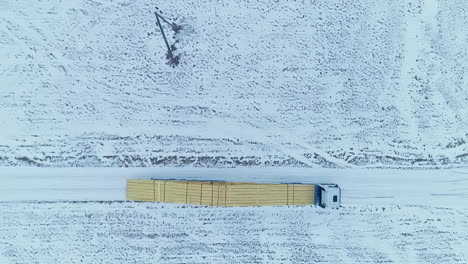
(412, 49)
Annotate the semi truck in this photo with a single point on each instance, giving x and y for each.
(328, 195)
(229, 194)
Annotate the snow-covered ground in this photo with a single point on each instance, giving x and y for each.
(130, 233)
(326, 83)
(77, 215)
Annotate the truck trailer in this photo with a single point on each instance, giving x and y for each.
(229, 194)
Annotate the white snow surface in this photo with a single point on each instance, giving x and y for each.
(130, 233)
(77, 215)
(319, 83)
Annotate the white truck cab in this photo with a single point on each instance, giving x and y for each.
(330, 195)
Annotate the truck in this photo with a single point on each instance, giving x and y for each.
(229, 194)
(329, 195)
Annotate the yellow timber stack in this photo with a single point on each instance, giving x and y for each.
(220, 193)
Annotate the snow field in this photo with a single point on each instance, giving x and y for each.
(127, 232)
(266, 83)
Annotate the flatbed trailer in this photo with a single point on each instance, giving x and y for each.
(229, 194)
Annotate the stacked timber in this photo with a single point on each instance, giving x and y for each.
(214, 193)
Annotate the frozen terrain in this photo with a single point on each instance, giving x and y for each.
(388, 216)
(130, 233)
(319, 83)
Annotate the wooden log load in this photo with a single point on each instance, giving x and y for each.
(214, 193)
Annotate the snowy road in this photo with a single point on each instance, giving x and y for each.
(442, 188)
